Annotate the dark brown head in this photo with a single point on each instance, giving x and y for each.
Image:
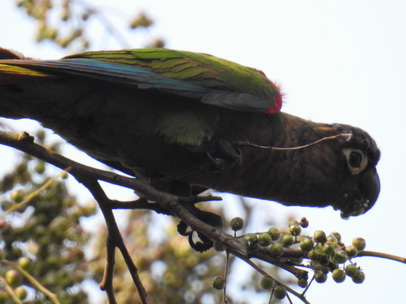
(360, 185)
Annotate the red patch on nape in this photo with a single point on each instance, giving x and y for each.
(276, 107)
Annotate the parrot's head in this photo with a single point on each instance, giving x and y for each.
(358, 180)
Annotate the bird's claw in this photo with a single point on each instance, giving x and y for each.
(222, 154)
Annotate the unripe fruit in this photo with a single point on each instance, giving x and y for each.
(302, 283)
(25, 263)
(295, 230)
(319, 236)
(328, 249)
(267, 282)
(21, 292)
(293, 222)
(218, 283)
(17, 196)
(358, 277)
(237, 223)
(251, 240)
(279, 292)
(320, 277)
(359, 243)
(64, 175)
(351, 270)
(332, 239)
(274, 233)
(351, 251)
(13, 278)
(287, 240)
(306, 244)
(340, 256)
(264, 239)
(40, 167)
(276, 250)
(337, 235)
(338, 275)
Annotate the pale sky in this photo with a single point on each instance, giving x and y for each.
(337, 61)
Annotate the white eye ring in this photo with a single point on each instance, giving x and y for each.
(349, 155)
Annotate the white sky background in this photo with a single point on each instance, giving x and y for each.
(337, 61)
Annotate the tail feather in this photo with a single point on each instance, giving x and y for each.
(9, 54)
(10, 72)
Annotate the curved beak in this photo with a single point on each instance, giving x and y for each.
(367, 194)
(371, 186)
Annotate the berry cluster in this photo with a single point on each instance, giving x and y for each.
(325, 254)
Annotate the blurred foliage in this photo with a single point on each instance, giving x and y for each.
(41, 232)
(72, 23)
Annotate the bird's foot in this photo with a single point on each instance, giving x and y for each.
(222, 155)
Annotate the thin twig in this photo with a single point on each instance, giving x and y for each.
(10, 291)
(247, 143)
(381, 255)
(114, 240)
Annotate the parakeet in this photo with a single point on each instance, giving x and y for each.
(182, 118)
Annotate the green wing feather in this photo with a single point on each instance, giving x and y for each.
(231, 85)
(197, 76)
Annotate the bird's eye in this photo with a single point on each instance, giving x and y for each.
(356, 160)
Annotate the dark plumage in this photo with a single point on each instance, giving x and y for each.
(178, 116)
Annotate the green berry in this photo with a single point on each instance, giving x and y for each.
(17, 196)
(306, 244)
(237, 223)
(266, 282)
(358, 277)
(279, 292)
(21, 292)
(40, 167)
(328, 249)
(251, 240)
(351, 270)
(64, 175)
(319, 236)
(218, 283)
(295, 230)
(338, 275)
(25, 263)
(264, 239)
(351, 251)
(293, 223)
(274, 233)
(5, 205)
(340, 256)
(332, 239)
(359, 243)
(337, 235)
(320, 277)
(276, 250)
(312, 255)
(287, 240)
(302, 283)
(13, 278)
